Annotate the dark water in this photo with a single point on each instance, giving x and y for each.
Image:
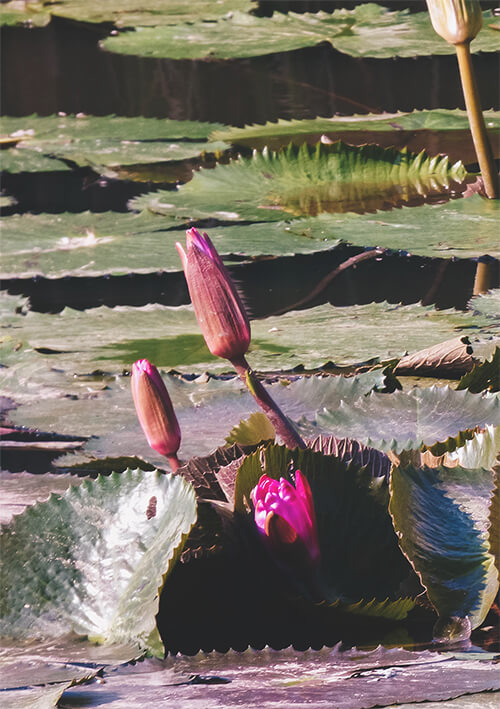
(60, 68)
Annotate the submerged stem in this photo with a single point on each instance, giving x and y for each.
(476, 120)
(281, 424)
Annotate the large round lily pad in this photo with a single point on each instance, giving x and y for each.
(366, 31)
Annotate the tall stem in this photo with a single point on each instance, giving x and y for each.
(476, 120)
(281, 424)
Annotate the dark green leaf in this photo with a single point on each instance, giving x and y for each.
(360, 558)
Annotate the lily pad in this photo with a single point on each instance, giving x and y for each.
(409, 420)
(350, 679)
(367, 31)
(487, 304)
(102, 408)
(93, 559)
(307, 180)
(441, 516)
(461, 228)
(45, 143)
(56, 245)
(481, 451)
(108, 338)
(484, 377)
(353, 525)
(386, 129)
(126, 13)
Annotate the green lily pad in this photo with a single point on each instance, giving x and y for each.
(45, 697)
(101, 142)
(396, 129)
(487, 304)
(367, 31)
(461, 228)
(93, 560)
(56, 245)
(409, 420)
(108, 338)
(484, 377)
(127, 13)
(353, 524)
(441, 516)
(305, 181)
(52, 399)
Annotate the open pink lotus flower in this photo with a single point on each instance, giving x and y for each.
(285, 515)
(218, 308)
(154, 409)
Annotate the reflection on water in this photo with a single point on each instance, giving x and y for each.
(365, 197)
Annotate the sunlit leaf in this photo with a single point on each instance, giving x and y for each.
(307, 180)
(487, 304)
(368, 31)
(55, 245)
(45, 142)
(461, 228)
(441, 516)
(92, 560)
(110, 338)
(484, 376)
(124, 13)
(417, 130)
(255, 429)
(410, 420)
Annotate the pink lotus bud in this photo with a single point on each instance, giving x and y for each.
(285, 515)
(217, 305)
(154, 409)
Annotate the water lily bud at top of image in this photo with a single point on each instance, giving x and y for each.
(285, 516)
(154, 409)
(456, 21)
(218, 307)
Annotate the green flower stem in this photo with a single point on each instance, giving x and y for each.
(281, 424)
(476, 120)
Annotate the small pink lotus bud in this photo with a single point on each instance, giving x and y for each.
(218, 308)
(154, 409)
(285, 515)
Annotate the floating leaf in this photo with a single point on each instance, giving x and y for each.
(410, 420)
(44, 143)
(307, 180)
(396, 129)
(170, 337)
(368, 31)
(441, 516)
(93, 560)
(93, 244)
(487, 304)
(484, 376)
(481, 451)
(461, 228)
(344, 679)
(255, 429)
(360, 558)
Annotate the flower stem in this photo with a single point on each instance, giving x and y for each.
(174, 461)
(476, 120)
(281, 424)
